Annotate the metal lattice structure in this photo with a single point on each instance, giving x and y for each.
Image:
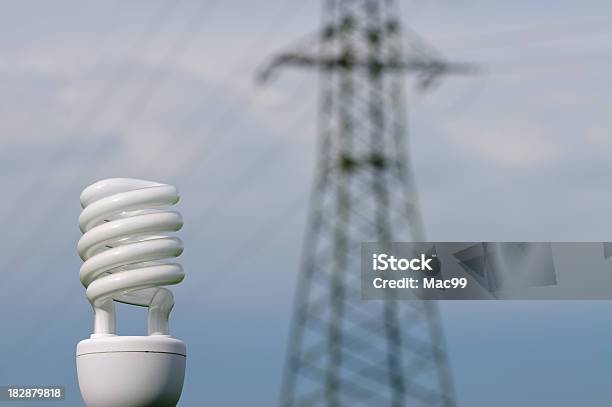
(344, 351)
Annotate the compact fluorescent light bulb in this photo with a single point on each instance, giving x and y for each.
(126, 225)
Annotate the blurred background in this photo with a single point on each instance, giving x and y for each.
(164, 90)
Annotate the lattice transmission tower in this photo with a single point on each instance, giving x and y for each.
(344, 351)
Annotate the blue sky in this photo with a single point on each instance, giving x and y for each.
(164, 90)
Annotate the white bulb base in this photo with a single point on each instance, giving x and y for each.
(131, 371)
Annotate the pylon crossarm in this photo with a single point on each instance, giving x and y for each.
(428, 69)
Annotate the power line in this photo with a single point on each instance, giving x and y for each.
(41, 185)
(227, 114)
(56, 203)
